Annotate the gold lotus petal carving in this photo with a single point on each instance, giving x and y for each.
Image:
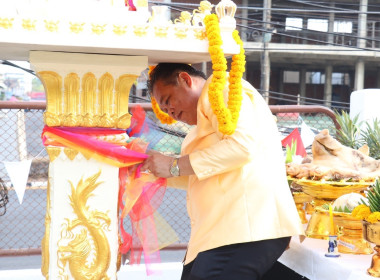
(53, 152)
(70, 153)
(51, 119)
(88, 120)
(87, 156)
(124, 121)
(106, 121)
(70, 120)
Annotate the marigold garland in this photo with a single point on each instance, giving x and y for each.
(227, 116)
(161, 116)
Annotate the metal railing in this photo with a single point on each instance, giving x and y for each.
(21, 124)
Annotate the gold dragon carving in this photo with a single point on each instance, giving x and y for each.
(88, 251)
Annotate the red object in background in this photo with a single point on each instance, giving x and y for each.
(37, 96)
(129, 3)
(295, 135)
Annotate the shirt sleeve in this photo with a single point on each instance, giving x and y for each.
(231, 151)
(180, 182)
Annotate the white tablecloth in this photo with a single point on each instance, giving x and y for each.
(308, 259)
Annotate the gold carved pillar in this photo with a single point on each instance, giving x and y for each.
(83, 90)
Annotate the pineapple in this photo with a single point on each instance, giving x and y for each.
(349, 132)
(372, 137)
(373, 196)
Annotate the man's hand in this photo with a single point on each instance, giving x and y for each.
(159, 164)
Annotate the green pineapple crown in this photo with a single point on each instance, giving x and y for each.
(350, 135)
(349, 132)
(371, 136)
(373, 196)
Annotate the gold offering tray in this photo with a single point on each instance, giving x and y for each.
(327, 183)
(325, 191)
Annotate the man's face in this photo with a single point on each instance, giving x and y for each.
(179, 101)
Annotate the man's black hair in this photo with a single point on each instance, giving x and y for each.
(168, 73)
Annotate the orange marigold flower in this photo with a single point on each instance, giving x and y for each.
(373, 217)
(361, 212)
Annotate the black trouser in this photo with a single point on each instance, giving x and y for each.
(242, 261)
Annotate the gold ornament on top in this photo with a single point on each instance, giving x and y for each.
(6, 23)
(51, 25)
(142, 3)
(161, 31)
(29, 24)
(205, 8)
(182, 25)
(98, 28)
(84, 245)
(184, 19)
(225, 9)
(140, 30)
(76, 27)
(119, 29)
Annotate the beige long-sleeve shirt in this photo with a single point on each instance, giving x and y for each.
(239, 192)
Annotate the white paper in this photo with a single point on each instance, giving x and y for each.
(307, 135)
(18, 172)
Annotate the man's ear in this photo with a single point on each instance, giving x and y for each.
(186, 78)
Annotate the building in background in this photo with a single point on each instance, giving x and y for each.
(307, 52)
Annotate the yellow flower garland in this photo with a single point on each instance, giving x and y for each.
(227, 116)
(161, 116)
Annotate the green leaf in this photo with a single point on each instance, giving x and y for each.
(291, 151)
(349, 132)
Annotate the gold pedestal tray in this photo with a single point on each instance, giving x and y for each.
(348, 229)
(326, 191)
(300, 198)
(319, 224)
(371, 233)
